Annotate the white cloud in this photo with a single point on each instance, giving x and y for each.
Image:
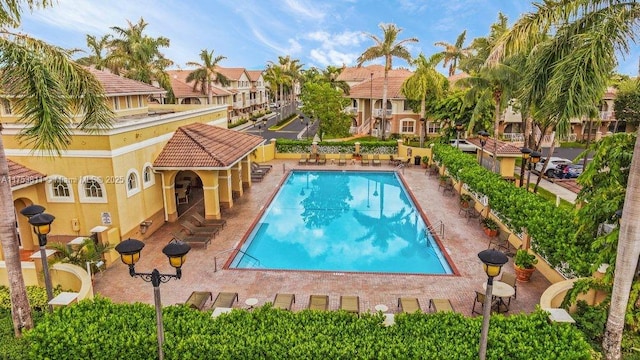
(304, 9)
(335, 49)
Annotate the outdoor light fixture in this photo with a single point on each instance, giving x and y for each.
(534, 158)
(483, 141)
(176, 251)
(525, 156)
(492, 261)
(458, 129)
(41, 223)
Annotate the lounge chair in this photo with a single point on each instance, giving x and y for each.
(365, 160)
(342, 160)
(350, 304)
(201, 221)
(312, 160)
(193, 239)
(439, 305)
(191, 229)
(284, 301)
(257, 167)
(322, 159)
(409, 304)
(318, 302)
(376, 160)
(257, 177)
(198, 299)
(303, 159)
(224, 300)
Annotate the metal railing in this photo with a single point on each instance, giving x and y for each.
(437, 229)
(215, 258)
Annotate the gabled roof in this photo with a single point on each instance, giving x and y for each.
(254, 75)
(22, 175)
(504, 148)
(232, 73)
(374, 89)
(205, 146)
(184, 89)
(118, 85)
(453, 78)
(363, 73)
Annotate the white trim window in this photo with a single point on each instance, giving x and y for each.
(148, 177)
(116, 103)
(432, 127)
(408, 126)
(59, 189)
(91, 190)
(133, 182)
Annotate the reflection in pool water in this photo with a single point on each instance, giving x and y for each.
(342, 221)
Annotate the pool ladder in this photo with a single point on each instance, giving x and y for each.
(254, 264)
(437, 229)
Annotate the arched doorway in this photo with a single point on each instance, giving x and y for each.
(26, 238)
(188, 190)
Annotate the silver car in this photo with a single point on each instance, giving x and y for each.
(463, 145)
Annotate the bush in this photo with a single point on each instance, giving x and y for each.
(104, 330)
(37, 297)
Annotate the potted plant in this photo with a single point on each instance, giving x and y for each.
(464, 200)
(490, 227)
(425, 162)
(443, 179)
(524, 264)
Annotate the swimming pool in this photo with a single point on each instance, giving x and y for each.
(342, 221)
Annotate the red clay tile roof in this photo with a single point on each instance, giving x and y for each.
(363, 73)
(364, 90)
(20, 175)
(504, 148)
(453, 78)
(205, 146)
(115, 84)
(183, 89)
(254, 75)
(231, 73)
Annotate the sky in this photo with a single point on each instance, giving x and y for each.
(250, 33)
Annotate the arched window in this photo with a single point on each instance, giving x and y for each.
(148, 177)
(59, 189)
(91, 190)
(133, 182)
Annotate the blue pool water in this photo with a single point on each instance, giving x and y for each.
(342, 221)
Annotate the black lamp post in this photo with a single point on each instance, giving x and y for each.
(41, 223)
(483, 141)
(492, 261)
(176, 251)
(458, 129)
(534, 159)
(526, 152)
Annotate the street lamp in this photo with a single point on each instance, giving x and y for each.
(423, 121)
(176, 251)
(492, 261)
(535, 158)
(526, 152)
(483, 141)
(41, 223)
(458, 129)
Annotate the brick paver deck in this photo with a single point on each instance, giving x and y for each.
(462, 240)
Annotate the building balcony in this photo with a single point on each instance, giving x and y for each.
(378, 113)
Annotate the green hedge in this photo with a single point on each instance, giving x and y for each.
(104, 330)
(552, 229)
(334, 147)
(37, 297)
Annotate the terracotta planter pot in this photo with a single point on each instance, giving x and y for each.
(490, 232)
(522, 274)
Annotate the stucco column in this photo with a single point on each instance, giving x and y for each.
(168, 188)
(210, 189)
(224, 183)
(236, 180)
(246, 173)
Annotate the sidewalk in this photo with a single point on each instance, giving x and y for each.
(560, 191)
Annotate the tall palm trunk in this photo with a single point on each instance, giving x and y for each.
(497, 97)
(20, 309)
(209, 94)
(280, 106)
(422, 116)
(626, 260)
(384, 102)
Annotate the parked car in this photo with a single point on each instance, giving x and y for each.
(463, 145)
(273, 105)
(551, 168)
(566, 171)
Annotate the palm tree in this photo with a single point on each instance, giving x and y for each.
(47, 88)
(387, 48)
(589, 33)
(424, 81)
(206, 73)
(138, 57)
(330, 75)
(275, 76)
(96, 47)
(453, 53)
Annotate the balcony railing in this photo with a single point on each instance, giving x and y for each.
(351, 110)
(378, 112)
(238, 105)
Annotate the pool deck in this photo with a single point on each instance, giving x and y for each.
(462, 240)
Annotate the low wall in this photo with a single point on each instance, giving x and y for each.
(68, 276)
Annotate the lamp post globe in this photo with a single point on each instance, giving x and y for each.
(483, 135)
(526, 152)
(41, 223)
(492, 261)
